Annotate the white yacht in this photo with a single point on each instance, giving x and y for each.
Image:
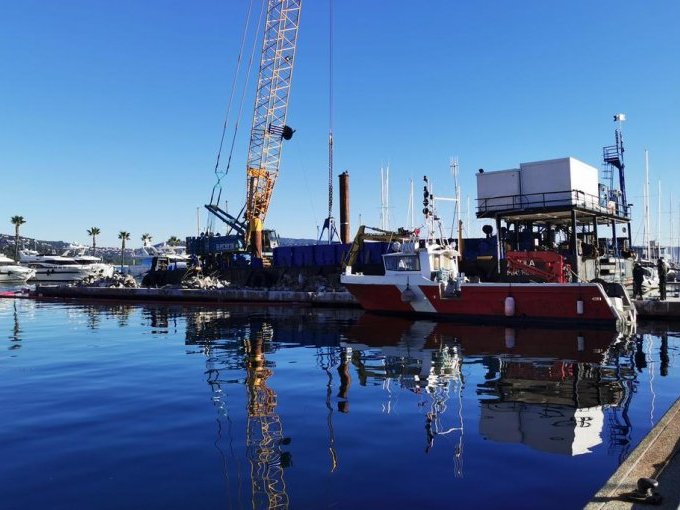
(176, 257)
(96, 265)
(11, 272)
(54, 268)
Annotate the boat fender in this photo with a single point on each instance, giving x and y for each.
(509, 338)
(579, 307)
(580, 343)
(509, 306)
(408, 295)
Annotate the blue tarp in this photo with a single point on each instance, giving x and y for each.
(341, 251)
(310, 256)
(303, 256)
(371, 253)
(324, 255)
(283, 256)
(479, 247)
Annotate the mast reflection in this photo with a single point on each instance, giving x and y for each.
(413, 358)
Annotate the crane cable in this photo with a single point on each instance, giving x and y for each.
(330, 119)
(231, 97)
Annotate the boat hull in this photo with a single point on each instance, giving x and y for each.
(17, 275)
(57, 274)
(576, 304)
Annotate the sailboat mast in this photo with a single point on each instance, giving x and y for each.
(413, 207)
(382, 198)
(646, 197)
(658, 219)
(385, 197)
(456, 187)
(670, 226)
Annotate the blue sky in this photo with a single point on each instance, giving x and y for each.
(111, 112)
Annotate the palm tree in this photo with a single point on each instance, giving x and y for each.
(17, 221)
(174, 241)
(94, 232)
(123, 236)
(146, 238)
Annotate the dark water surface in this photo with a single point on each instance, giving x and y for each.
(159, 406)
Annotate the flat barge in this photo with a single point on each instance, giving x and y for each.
(196, 295)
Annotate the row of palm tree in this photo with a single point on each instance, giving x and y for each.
(93, 232)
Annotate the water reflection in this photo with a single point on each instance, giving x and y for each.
(287, 380)
(242, 342)
(553, 405)
(95, 313)
(547, 389)
(15, 337)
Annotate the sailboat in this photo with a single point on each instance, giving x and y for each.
(651, 278)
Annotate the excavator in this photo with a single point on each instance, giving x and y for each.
(365, 233)
(245, 231)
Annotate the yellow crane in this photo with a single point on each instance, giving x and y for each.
(268, 129)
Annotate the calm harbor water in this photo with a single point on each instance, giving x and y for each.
(112, 406)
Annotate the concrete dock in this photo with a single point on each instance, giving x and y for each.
(654, 308)
(655, 457)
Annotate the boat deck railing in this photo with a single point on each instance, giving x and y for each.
(550, 201)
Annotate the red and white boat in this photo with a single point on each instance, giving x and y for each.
(422, 278)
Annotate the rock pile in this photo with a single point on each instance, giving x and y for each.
(117, 280)
(204, 282)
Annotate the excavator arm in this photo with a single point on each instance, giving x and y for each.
(376, 234)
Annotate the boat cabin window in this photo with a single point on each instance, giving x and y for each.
(402, 263)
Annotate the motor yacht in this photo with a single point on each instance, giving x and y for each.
(96, 265)
(11, 272)
(143, 261)
(54, 268)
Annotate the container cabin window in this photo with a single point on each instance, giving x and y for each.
(403, 263)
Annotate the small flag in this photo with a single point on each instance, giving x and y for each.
(619, 117)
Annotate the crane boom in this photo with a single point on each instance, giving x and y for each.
(269, 127)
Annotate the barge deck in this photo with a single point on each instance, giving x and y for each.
(197, 295)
